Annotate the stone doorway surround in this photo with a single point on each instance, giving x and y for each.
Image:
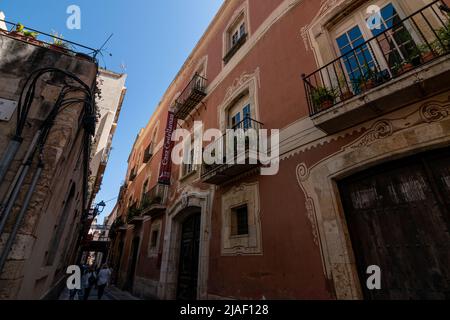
(187, 204)
(410, 130)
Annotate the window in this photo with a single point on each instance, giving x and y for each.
(236, 119)
(237, 32)
(398, 44)
(239, 221)
(241, 114)
(388, 51)
(188, 163)
(235, 36)
(154, 239)
(155, 235)
(357, 63)
(144, 192)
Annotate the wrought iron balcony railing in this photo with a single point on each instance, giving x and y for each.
(191, 96)
(53, 42)
(238, 153)
(154, 200)
(407, 44)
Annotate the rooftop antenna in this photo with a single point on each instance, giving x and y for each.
(104, 44)
(123, 67)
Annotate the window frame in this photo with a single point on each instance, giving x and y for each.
(237, 108)
(152, 251)
(240, 17)
(359, 17)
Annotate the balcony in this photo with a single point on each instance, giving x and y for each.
(134, 215)
(191, 96)
(52, 42)
(238, 152)
(383, 73)
(154, 201)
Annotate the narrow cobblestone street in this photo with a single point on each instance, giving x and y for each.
(111, 293)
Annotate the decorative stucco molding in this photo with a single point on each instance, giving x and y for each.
(409, 130)
(247, 82)
(239, 83)
(186, 204)
(251, 244)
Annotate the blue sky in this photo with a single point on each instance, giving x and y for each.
(152, 38)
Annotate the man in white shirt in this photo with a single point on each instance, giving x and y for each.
(103, 278)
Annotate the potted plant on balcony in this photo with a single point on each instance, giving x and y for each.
(427, 52)
(443, 34)
(58, 43)
(323, 98)
(401, 67)
(369, 80)
(24, 34)
(345, 91)
(18, 32)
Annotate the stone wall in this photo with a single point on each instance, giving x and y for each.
(27, 273)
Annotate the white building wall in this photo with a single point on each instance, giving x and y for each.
(112, 87)
(2, 24)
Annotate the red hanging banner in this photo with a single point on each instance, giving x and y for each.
(166, 160)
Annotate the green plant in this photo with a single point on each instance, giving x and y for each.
(20, 28)
(323, 97)
(58, 40)
(443, 41)
(30, 34)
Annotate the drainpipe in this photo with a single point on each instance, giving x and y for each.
(14, 195)
(31, 148)
(8, 156)
(14, 190)
(23, 210)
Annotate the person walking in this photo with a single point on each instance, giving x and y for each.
(103, 278)
(89, 281)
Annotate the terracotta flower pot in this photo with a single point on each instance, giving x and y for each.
(58, 48)
(369, 84)
(326, 104)
(428, 56)
(33, 41)
(346, 95)
(407, 67)
(18, 35)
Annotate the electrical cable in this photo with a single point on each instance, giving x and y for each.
(23, 109)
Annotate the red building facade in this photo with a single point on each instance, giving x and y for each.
(361, 101)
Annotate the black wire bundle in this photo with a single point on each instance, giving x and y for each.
(24, 104)
(88, 113)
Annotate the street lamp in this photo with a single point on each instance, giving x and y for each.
(99, 207)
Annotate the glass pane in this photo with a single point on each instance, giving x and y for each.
(397, 44)
(358, 59)
(247, 116)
